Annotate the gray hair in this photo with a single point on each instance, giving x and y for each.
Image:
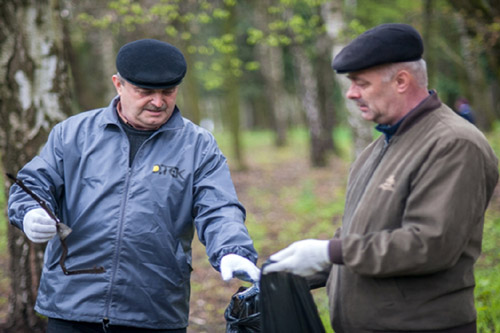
(120, 78)
(416, 68)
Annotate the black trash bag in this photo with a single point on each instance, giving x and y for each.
(242, 314)
(287, 305)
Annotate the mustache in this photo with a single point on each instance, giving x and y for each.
(360, 102)
(155, 108)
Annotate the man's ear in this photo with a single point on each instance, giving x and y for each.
(402, 81)
(117, 83)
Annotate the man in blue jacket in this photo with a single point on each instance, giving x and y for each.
(132, 180)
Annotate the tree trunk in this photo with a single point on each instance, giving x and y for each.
(478, 21)
(272, 69)
(189, 88)
(325, 82)
(34, 95)
(477, 86)
(428, 37)
(361, 129)
(232, 95)
(308, 90)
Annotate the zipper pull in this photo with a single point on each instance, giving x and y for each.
(105, 324)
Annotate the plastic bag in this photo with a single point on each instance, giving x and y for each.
(279, 303)
(287, 305)
(242, 314)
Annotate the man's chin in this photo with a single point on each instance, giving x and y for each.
(367, 116)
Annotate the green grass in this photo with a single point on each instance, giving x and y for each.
(487, 273)
(487, 269)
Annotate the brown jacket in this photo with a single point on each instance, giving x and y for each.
(412, 226)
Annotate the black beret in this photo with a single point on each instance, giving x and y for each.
(386, 43)
(151, 64)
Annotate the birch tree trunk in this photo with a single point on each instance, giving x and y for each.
(308, 91)
(361, 129)
(34, 95)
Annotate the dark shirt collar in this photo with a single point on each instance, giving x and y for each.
(390, 130)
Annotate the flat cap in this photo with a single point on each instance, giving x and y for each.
(383, 44)
(151, 64)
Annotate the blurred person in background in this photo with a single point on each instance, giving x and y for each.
(463, 108)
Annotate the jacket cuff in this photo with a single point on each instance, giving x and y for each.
(335, 251)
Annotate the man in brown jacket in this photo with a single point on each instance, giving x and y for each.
(416, 198)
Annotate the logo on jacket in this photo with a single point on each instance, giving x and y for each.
(388, 184)
(162, 169)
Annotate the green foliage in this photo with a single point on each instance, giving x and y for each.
(494, 137)
(342, 137)
(203, 30)
(321, 300)
(373, 13)
(487, 271)
(197, 29)
(290, 21)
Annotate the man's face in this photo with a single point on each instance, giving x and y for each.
(375, 97)
(145, 109)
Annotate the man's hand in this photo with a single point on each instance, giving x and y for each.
(38, 226)
(303, 258)
(233, 265)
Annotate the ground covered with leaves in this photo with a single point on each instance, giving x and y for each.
(286, 200)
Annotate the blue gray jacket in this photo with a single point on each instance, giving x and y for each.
(137, 222)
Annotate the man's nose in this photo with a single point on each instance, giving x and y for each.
(157, 99)
(352, 92)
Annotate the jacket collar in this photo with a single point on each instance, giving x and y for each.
(429, 104)
(110, 117)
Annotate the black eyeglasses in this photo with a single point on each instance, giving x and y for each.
(62, 231)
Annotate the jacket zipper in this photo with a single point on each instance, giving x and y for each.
(337, 301)
(118, 244)
(121, 222)
(120, 231)
(368, 179)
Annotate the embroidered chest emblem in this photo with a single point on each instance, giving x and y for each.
(388, 184)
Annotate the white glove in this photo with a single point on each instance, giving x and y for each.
(233, 265)
(38, 226)
(304, 258)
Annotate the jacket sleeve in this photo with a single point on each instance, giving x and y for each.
(442, 219)
(219, 216)
(41, 175)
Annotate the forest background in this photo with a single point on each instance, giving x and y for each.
(259, 77)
